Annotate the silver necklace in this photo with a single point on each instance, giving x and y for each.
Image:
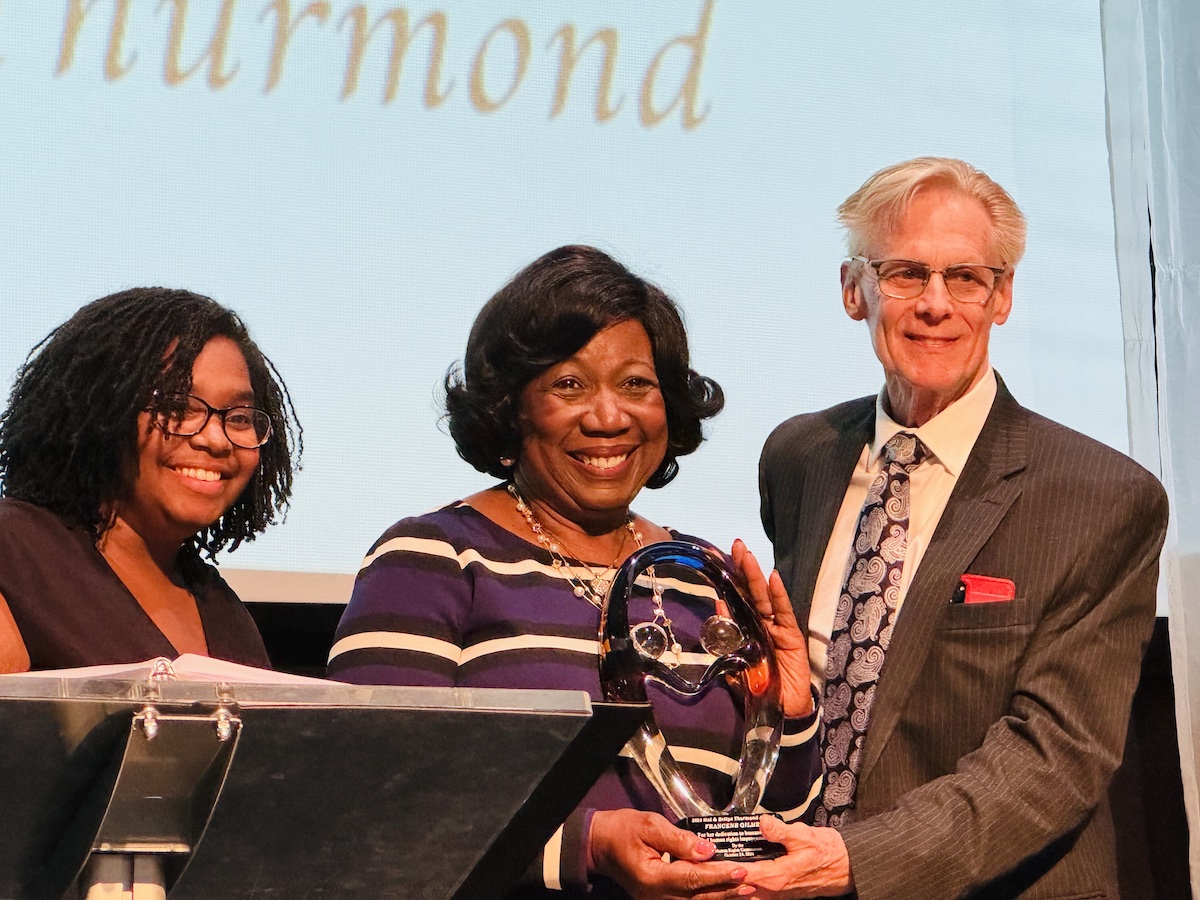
(654, 638)
(592, 587)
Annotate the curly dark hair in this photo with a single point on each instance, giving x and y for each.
(546, 314)
(70, 431)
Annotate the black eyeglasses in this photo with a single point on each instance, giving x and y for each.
(906, 279)
(246, 426)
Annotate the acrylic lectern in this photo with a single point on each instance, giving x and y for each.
(295, 790)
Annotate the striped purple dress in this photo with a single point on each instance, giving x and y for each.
(452, 599)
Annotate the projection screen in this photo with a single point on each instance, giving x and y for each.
(356, 179)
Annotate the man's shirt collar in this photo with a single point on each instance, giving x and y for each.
(950, 434)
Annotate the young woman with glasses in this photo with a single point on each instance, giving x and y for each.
(142, 436)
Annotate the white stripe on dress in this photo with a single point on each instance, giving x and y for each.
(396, 640)
(718, 762)
(444, 550)
(800, 737)
(552, 861)
(414, 643)
(554, 642)
(791, 815)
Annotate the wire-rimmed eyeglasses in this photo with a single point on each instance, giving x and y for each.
(187, 415)
(906, 279)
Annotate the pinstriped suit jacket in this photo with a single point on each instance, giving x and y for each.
(996, 726)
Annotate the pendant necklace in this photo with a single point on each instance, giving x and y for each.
(593, 586)
(653, 639)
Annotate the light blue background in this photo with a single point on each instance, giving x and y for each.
(359, 238)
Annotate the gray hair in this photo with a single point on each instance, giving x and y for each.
(873, 211)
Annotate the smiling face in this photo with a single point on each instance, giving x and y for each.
(184, 484)
(594, 429)
(933, 348)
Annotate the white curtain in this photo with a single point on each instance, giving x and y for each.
(1152, 75)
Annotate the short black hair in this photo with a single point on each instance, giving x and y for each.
(547, 313)
(70, 433)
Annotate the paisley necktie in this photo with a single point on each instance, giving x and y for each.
(862, 625)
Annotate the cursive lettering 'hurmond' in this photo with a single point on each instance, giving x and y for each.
(225, 42)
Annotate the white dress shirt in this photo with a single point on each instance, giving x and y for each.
(949, 435)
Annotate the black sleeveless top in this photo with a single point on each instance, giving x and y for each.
(72, 610)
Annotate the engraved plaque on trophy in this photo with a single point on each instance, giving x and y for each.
(735, 648)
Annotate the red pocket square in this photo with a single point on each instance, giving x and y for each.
(984, 589)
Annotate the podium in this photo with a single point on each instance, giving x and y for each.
(292, 791)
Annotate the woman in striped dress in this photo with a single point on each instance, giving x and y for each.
(576, 392)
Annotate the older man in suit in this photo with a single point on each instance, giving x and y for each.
(978, 581)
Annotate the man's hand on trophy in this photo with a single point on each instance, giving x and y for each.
(770, 599)
(816, 864)
(627, 845)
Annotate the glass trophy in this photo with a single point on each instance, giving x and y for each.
(734, 653)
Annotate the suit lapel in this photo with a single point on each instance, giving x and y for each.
(989, 484)
(827, 476)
